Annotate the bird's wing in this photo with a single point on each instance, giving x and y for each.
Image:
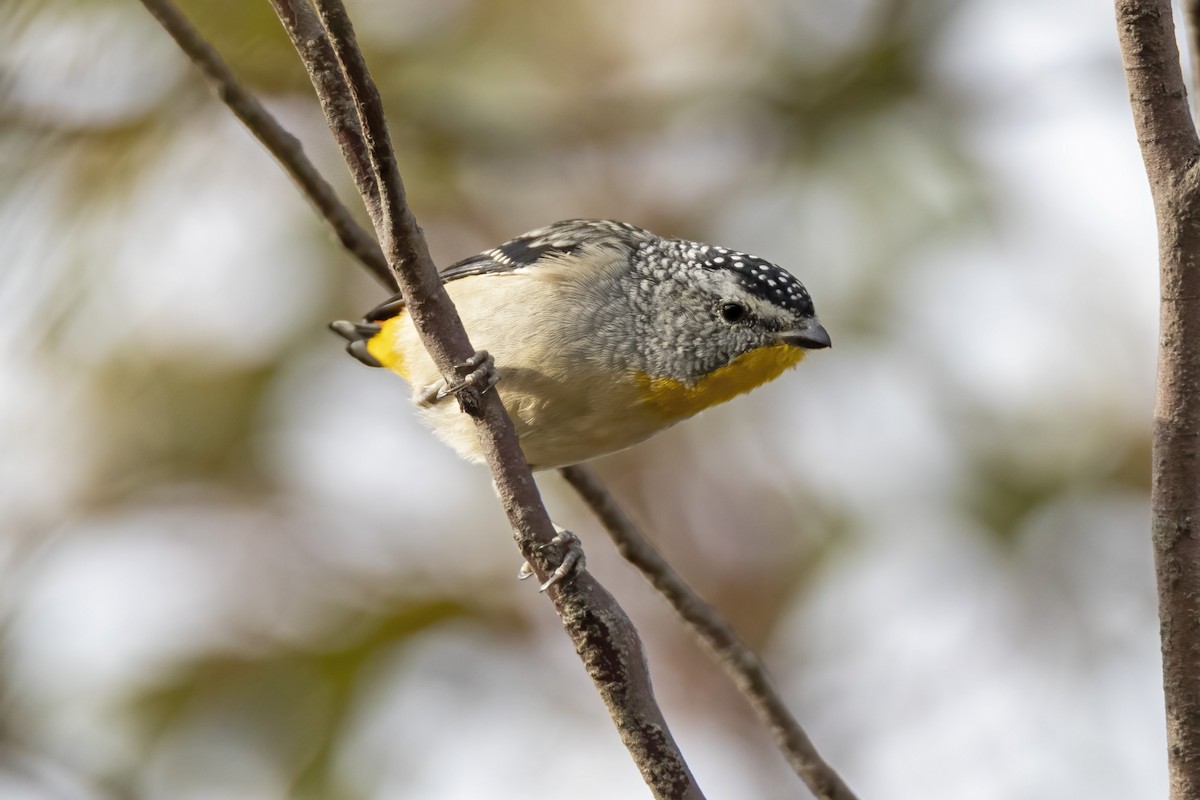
(492, 262)
(558, 240)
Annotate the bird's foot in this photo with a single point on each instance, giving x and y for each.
(478, 370)
(573, 559)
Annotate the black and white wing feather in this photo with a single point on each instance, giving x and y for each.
(560, 240)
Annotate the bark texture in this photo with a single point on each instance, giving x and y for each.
(1170, 150)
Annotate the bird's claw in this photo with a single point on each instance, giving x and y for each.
(573, 559)
(479, 369)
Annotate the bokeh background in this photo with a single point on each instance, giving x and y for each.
(232, 565)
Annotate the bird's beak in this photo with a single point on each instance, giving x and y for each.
(810, 335)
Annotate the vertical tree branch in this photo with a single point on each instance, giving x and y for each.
(604, 636)
(1170, 150)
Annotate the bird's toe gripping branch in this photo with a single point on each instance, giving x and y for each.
(573, 559)
(478, 370)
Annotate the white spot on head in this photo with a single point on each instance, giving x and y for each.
(718, 260)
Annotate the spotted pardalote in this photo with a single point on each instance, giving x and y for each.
(601, 334)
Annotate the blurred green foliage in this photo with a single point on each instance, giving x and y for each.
(296, 703)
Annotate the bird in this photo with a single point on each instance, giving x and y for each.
(598, 334)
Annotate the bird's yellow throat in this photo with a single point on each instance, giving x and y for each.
(673, 399)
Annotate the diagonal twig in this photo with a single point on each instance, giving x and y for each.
(603, 634)
(742, 664)
(427, 302)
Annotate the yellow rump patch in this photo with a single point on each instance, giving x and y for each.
(674, 399)
(383, 345)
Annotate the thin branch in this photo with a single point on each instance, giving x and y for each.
(603, 634)
(1156, 90)
(286, 148)
(316, 53)
(1170, 150)
(743, 665)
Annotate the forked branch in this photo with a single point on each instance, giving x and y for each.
(746, 669)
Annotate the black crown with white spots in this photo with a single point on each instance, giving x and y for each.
(759, 277)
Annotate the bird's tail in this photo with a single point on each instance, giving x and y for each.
(357, 334)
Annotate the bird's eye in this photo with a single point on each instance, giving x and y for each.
(733, 312)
